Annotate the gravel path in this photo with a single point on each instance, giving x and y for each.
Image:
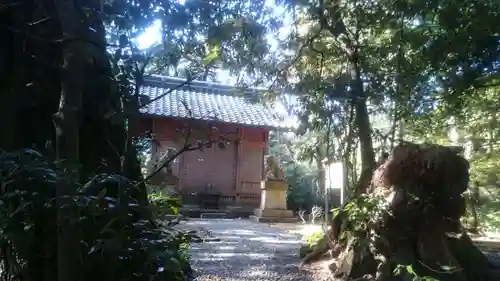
(241, 250)
(246, 251)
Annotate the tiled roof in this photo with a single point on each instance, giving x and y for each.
(206, 101)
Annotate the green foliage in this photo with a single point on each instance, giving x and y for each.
(313, 238)
(116, 242)
(474, 127)
(488, 214)
(409, 269)
(416, 63)
(301, 193)
(194, 37)
(362, 211)
(360, 215)
(414, 276)
(311, 241)
(163, 204)
(301, 177)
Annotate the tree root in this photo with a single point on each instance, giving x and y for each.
(408, 226)
(445, 259)
(329, 242)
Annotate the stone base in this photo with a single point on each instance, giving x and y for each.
(274, 215)
(213, 216)
(282, 213)
(273, 194)
(195, 211)
(273, 203)
(274, 219)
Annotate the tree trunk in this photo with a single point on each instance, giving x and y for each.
(33, 79)
(67, 126)
(131, 160)
(409, 223)
(473, 204)
(362, 121)
(320, 156)
(473, 196)
(337, 27)
(354, 165)
(30, 88)
(106, 138)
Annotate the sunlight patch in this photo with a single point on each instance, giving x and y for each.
(274, 240)
(226, 248)
(248, 255)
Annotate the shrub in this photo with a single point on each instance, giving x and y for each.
(310, 241)
(313, 238)
(163, 204)
(118, 241)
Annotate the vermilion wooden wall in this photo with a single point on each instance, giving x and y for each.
(234, 171)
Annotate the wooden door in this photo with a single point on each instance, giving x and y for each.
(251, 169)
(197, 164)
(223, 173)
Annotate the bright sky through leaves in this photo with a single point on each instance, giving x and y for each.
(152, 36)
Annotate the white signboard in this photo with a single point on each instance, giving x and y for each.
(334, 175)
(335, 178)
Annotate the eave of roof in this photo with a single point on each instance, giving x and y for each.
(200, 100)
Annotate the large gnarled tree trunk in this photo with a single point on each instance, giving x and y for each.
(409, 222)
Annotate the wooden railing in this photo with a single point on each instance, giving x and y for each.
(249, 198)
(227, 199)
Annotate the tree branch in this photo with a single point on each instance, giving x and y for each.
(338, 31)
(296, 58)
(169, 91)
(188, 146)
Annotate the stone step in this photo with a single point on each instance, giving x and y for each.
(274, 219)
(213, 215)
(172, 217)
(231, 213)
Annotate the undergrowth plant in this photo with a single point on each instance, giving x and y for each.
(361, 215)
(117, 239)
(400, 269)
(313, 238)
(163, 204)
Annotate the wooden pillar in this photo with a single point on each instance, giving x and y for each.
(265, 151)
(155, 154)
(239, 158)
(237, 167)
(155, 147)
(181, 172)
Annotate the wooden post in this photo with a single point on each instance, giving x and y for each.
(237, 166)
(239, 154)
(326, 168)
